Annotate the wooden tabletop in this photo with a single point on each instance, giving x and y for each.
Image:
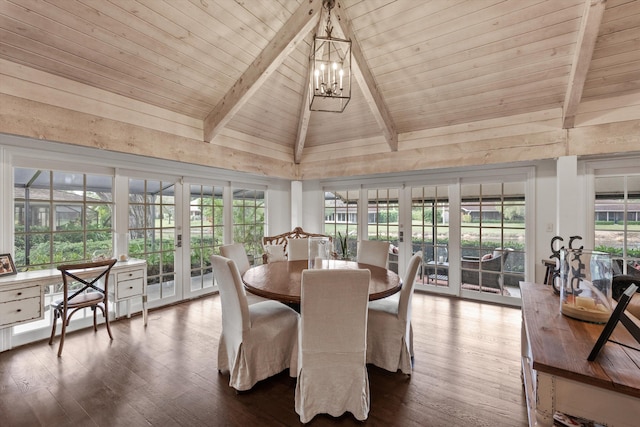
(281, 280)
(560, 345)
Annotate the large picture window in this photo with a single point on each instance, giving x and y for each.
(617, 221)
(61, 217)
(383, 220)
(430, 231)
(248, 221)
(152, 227)
(492, 240)
(341, 220)
(206, 232)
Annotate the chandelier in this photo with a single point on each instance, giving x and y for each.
(330, 65)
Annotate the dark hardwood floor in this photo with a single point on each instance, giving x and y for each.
(466, 373)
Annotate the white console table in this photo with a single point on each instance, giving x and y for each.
(22, 295)
(557, 375)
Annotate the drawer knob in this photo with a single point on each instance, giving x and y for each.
(19, 293)
(19, 310)
(130, 287)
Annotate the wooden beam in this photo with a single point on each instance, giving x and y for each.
(589, 28)
(363, 75)
(303, 125)
(305, 111)
(284, 42)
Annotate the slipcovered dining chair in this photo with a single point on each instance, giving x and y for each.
(389, 330)
(298, 249)
(84, 285)
(373, 252)
(258, 340)
(238, 254)
(332, 372)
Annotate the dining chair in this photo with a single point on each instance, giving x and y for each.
(258, 340)
(238, 254)
(332, 371)
(298, 249)
(389, 329)
(84, 285)
(373, 252)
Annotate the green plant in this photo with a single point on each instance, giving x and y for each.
(344, 248)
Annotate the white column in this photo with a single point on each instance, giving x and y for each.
(296, 204)
(570, 203)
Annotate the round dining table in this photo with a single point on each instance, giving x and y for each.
(281, 280)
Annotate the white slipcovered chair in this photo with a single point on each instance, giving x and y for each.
(238, 254)
(389, 330)
(258, 340)
(332, 371)
(298, 249)
(373, 252)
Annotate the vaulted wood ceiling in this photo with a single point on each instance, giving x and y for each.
(238, 70)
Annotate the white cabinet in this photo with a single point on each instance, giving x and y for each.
(20, 304)
(22, 295)
(128, 280)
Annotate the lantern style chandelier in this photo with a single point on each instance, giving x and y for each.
(330, 65)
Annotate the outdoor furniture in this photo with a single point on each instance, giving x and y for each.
(283, 239)
(489, 268)
(389, 331)
(332, 371)
(281, 281)
(81, 289)
(258, 340)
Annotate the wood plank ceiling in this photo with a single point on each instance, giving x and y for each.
(242, 66)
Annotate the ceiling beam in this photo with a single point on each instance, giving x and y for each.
(281, 45)
(589, 28)
(305, 111)
(363, 75)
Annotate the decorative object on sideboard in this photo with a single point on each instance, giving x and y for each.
(7, 267)
(585, 291)
(555, 254)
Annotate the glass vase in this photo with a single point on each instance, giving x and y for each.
(585, 279)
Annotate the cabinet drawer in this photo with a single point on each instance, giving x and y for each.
(17, 294)
(18, 311)
(129, 288)
(130, 275)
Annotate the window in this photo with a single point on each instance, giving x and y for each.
(61, 217)
(341, 220)
(430, 231)
(152, 232)
(383, 221)
(492, 240)
(248, 221)
(206, 232)
(617, 219)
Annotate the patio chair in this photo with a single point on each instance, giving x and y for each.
(490, 266)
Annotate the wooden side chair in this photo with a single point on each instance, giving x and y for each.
(81, 289)
(283, 239)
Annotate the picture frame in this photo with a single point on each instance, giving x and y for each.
(7, 267)
(617, 316)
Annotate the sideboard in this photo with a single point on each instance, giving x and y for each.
(557, 375)
(22, 295)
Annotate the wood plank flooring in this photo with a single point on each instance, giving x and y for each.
(466, 373)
